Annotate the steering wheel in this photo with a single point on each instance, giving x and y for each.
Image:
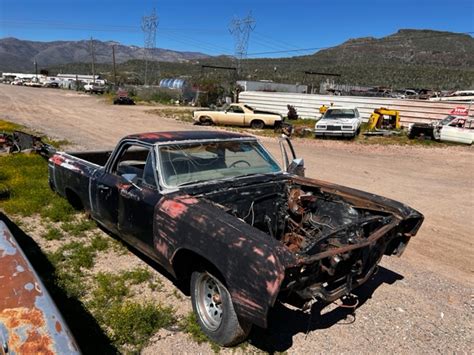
(239, 162)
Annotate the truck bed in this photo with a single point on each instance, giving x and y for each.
(99, 157)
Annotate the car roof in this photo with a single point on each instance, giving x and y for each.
(176, 136)
(342, 107)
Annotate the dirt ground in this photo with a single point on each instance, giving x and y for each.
(421, 302)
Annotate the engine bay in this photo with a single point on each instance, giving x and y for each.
(305, 219)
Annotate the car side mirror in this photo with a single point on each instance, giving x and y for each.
(132, 179)
(293, 165)
(296, 167)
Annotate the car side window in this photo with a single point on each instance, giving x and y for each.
(136, 160)
(458, 123)
(236, 109)
(149, 172)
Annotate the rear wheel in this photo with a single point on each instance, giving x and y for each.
(214, 310)
(257, 124)
(206, 121)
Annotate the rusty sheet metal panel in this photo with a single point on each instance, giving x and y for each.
(308, 105)
(30, 322)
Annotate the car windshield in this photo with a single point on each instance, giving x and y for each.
(189, 163)
(339, 113)
(447, 120)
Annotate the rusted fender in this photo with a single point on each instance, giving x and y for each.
(252, 263)
(30, 322)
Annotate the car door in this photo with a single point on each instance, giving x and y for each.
(137, 202)
(455, 131)
(234, 115)
(104, 191)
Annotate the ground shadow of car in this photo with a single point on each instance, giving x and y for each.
(284, 323)
(85, 329)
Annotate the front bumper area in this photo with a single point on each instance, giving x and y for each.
(336, 289)
(334, 133)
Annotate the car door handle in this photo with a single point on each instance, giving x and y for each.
(103, 187)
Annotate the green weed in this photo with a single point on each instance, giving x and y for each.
(137, 276)
(26, 177)
(77, 228)
(6, 126)
(52, 234)
(99, 243)
(190, 325)
(72, 282)
(130, 323)
(133, 323)
(73, 256)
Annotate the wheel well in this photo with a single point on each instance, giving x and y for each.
(186, 261)
(205, 119)
(74, 199)
(257, 121)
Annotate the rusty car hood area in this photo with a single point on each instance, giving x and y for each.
(30, 322)
(319, 232)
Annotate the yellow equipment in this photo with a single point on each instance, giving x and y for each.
(323, 109)
(384, 119)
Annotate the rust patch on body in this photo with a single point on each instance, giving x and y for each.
(58, 327)
(244, 300)
(27, 312)
(174, 208)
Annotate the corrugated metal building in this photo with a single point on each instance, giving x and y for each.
(308, 105)
(270, 86)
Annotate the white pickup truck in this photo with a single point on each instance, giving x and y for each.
(94, 88)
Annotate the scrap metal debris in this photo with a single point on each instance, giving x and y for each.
(18, 141)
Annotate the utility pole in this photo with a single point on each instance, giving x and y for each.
(149, 26)
(113, 58)
(93, 60)
(36, 70)
(240, 29)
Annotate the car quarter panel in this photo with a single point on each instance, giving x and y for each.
(251, 262)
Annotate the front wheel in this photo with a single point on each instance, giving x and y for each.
(214, 310)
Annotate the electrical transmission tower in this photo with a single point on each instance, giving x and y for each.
(240, 29)
(149, 26)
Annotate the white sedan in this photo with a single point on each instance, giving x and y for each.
(339, 122)
(459, 129)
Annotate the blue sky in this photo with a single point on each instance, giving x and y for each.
(203, 25)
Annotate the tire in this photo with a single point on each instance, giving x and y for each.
(257, 124)
(215, 312)
(206, 121)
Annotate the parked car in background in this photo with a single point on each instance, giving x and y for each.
(51, 84)
(124, 100)
(457, 127)
(238, 115)
(17, 82)
(339, 122)
(94, 88)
